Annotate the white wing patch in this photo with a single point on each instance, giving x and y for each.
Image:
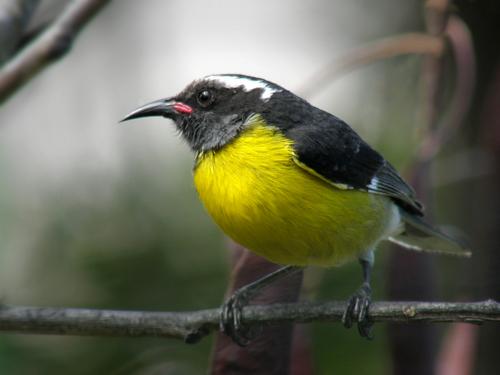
(373, 185)
(248, 84)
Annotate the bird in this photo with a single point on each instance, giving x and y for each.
(294, 184)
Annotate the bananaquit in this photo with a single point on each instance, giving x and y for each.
(293, 183)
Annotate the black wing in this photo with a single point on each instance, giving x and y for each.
(330, 148)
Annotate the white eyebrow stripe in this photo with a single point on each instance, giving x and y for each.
(247, 83)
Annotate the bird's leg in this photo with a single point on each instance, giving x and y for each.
(231, 313)
(359, 303)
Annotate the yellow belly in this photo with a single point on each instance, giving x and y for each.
(263, 200)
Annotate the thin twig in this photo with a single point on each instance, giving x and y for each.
(192, 326)
(411, 43)
(52, 44)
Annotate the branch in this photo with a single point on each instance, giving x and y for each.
(273, 346)
(51, 45)
(461, 44)
(192, 326)
(14, 17)
(405, 44)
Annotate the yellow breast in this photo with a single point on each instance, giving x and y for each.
(263, 200)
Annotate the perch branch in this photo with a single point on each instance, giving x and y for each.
(52, 44)
(192, 326)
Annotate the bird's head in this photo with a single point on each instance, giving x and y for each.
(211, 111)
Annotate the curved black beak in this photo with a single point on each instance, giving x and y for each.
(162, 107)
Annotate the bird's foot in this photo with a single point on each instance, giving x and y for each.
(231, 320)
(357, 311)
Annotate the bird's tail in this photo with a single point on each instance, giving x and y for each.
(419, 236)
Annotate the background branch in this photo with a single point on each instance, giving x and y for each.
(273, 347)
(462, 49)
(14, 17)
(405, 44)
(192, 326)
(52, 44)
(404, 268)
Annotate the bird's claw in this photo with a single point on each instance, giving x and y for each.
(357, 311)
(231, 320)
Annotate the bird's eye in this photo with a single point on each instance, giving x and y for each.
(205, 98)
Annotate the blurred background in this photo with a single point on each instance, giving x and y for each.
(98, 214)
